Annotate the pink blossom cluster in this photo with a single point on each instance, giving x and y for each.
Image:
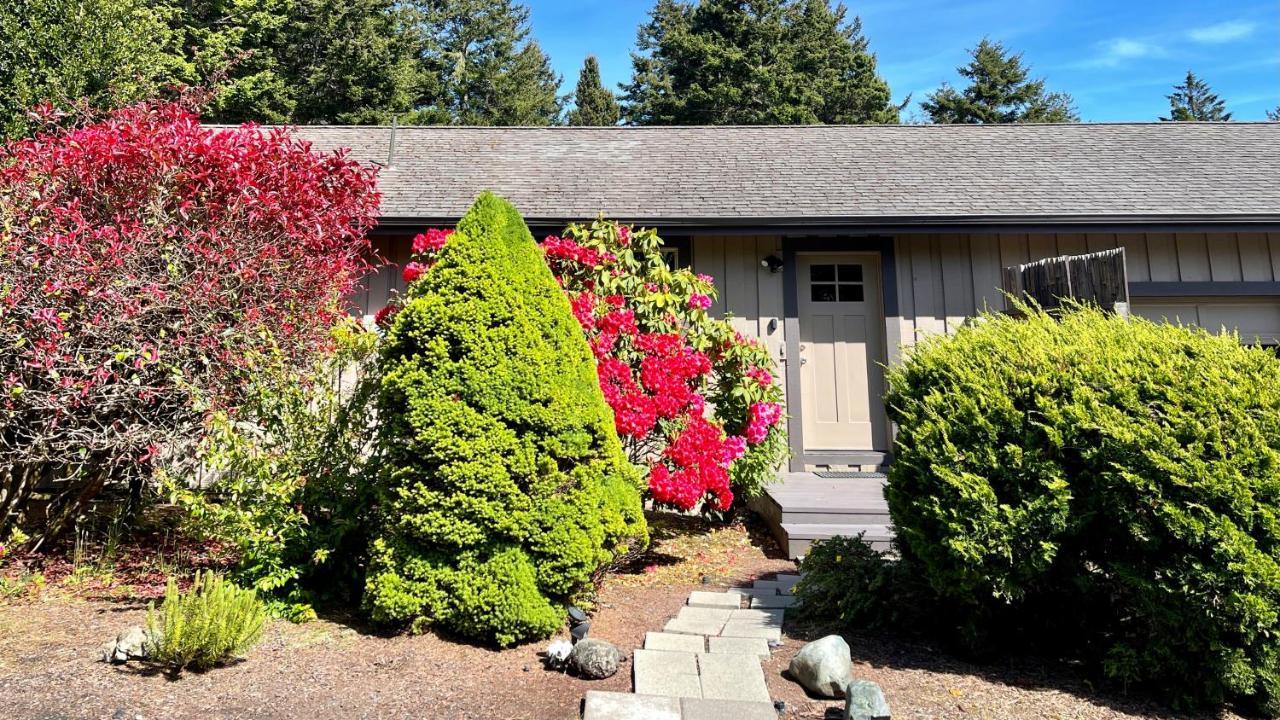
(760, 418)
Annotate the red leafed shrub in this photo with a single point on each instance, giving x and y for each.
(693, 400)
(148, 264)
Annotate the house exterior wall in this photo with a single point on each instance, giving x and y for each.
(944, 278)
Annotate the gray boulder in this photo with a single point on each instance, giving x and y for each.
(823, 666)
(595, 659)
(131, 644)
(864, 700)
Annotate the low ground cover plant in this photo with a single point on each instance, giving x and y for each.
(503, 487)
(213, 622)
(1103, 488)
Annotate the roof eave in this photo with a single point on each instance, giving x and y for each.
(904, 223)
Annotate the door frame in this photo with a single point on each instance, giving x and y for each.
(791, 245)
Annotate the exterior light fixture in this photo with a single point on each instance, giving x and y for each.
(773, 262)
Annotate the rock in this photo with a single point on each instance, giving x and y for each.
(823, 666)
(130, 644)
(596, 659)
(557, 654)
(864, 700)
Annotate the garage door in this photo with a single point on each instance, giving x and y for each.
(1255, 320)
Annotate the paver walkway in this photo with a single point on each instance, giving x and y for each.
(705, 663)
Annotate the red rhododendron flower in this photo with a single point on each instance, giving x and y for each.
(413, 271)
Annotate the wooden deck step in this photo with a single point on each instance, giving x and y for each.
(799, 536)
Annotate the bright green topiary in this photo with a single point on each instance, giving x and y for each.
(1104, 487)
(505, 488)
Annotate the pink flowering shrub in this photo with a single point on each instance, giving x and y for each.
(148, 263)
(693, 401)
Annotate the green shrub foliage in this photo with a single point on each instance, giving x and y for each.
(505, 488)
(1108, 487)
(213, 622)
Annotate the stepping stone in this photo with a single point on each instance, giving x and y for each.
(626, 706)
(750, 629)
(782, 587)
(772, 616)
(757, 592)
(732, 677)
(672, 674)
(693, 627)
(696, 709)
(699, 620)
(674, 642)
(775, 601)
(739, 645)
(731, 600)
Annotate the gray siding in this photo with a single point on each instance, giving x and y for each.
(945, 278)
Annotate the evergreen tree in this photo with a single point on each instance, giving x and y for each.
(1274, 115)
(303, 61)
(481, 66)
(999, 91)
(765, 61)
(110, 52)
(504, 488)
(1194, 101)
(594, 104)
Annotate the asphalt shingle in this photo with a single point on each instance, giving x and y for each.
(845, 173)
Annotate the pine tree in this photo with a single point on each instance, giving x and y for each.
(1274, 115)
(769, 61)
(304, 61)
(481, 66)
(110, 52)
(999, 91)
(1194, 101)
(594, 104)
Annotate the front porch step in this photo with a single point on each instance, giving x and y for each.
(799, 536)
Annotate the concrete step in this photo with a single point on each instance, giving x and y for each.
(602, 705)
(674, 642)
(800, 536)
(703, 709)
(702, 598)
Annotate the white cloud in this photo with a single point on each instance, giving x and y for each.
(1114, 51)
(1222, 32)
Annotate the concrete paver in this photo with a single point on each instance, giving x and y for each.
(674, 642)
(629, 706)
(660, 672)
(732, 677)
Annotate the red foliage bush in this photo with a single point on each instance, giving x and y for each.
(149, 263)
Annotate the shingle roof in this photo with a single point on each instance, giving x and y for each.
(764, 175)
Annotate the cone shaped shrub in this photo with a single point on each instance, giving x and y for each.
(1102, 487)
(505, 486)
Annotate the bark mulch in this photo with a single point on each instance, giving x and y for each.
(336, 668)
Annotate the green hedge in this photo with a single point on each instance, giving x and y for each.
(504, 487)
(1104, 487)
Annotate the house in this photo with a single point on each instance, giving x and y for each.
(841, 246)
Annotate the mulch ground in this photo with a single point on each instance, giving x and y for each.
(337, 668)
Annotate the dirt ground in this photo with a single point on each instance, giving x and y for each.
(335, 668)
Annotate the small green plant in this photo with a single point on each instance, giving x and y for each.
(213, 622)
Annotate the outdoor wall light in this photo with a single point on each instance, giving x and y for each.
(773, 262)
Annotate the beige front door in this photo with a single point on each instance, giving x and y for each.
(841, 348)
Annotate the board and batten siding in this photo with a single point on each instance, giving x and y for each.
(747, 291)
(945, 278)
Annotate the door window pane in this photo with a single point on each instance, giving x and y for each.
(822, 273)
(850, 293)
(822, 292)
(850, 273)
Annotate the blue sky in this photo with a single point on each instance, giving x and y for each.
(1118, 58)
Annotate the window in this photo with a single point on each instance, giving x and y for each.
(671, 256)
(835, 283)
